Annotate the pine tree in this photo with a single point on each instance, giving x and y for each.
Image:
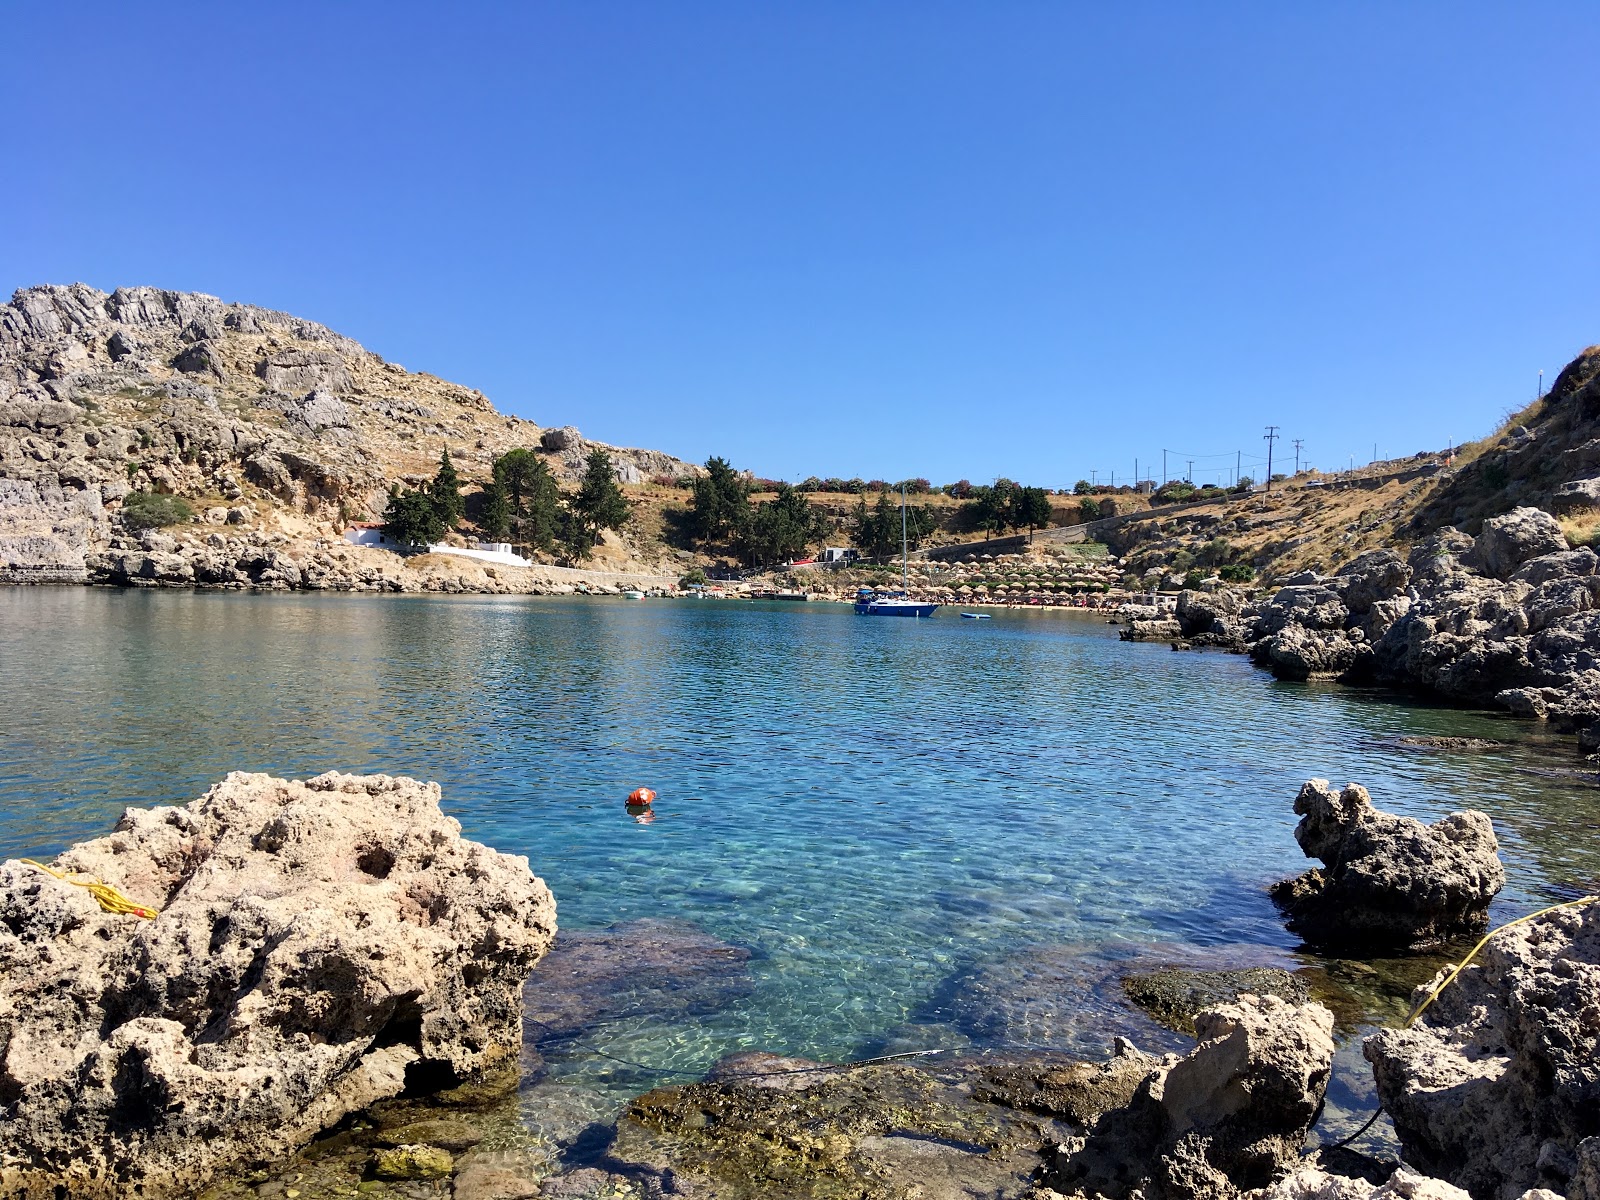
(495, 516)
(412, 518)
(445, 492)
(598, 505)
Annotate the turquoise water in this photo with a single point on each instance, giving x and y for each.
(871, 805)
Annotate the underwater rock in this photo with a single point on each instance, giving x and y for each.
(1496, 1087)
(886, 1130)
(646, 967)
(1388, 882)
(1224, 1119)
(413, 1162)
(1071, 997)
(1176, 995)
(320, 945)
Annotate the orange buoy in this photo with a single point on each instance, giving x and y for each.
(641, 797)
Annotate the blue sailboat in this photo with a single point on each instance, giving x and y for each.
(872, 602)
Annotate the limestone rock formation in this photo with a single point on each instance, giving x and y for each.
(180, 393)
(1496, 1088)
(1510, 619)
(1213, 618)
(320, 945)
(1225, 1119)
(1388, 882)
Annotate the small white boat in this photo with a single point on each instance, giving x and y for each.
(633, 594)
(975, 616)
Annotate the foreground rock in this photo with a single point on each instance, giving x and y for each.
(1388, 883)
(321, 945)
(1497, 1087)
(1311, 1183)
(1226, 1118)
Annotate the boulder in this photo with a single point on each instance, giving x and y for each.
(1225, 1119)
(557, 440)
(1389, 882)
(1496, 1086)
(320, 945)
(201, 358)
(1578, 493)
(1509, 541)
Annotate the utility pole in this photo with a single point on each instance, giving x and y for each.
(1094, 478)
(1540, 394)
(1136, 474)
(1189, 478)
(1163, 468)
(1238, 465)
(1270, 436)
(1374, 451)
(1298, 442)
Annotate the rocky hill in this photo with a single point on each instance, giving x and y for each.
(271, 424)
(1546, 456)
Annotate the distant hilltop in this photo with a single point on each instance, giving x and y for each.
(152, 391)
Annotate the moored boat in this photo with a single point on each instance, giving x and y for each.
(870, 602)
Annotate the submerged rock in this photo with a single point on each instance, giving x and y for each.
(888, 1130)
(1074, 997)
(321, 945)
(1496, 1088)
(651, 966)
(1388, 882)
(1224, 1119)
(1176, 995)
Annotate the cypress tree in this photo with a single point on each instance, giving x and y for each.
(445, 491)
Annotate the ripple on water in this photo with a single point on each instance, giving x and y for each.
(874, 810)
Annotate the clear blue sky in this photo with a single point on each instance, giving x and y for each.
(874, 238)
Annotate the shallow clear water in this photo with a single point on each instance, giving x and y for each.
(871, 805)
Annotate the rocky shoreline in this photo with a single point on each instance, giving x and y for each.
(1508, 620)
(334, 967)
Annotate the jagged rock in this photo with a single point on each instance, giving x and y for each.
(1225, 1119)
(557, 440)
(320, 946)
(1296, 652)
(1388, 882)
(322, 409)
(1162, 630)
(1496, 1087)
(1509, 541)
(1212, 618)
(304, 370)
(201, 358)
(1577, 493)
(1311, 1183)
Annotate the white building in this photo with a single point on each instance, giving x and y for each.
(370, 533)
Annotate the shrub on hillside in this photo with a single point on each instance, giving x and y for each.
(1237, 573)
(149, 510)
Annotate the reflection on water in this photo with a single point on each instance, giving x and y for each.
(871, 806)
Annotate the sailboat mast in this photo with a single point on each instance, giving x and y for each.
(905, 565)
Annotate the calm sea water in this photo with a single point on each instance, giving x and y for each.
(870, 804)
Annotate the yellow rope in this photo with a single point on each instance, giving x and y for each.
(1465, 962)
(110, 900)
